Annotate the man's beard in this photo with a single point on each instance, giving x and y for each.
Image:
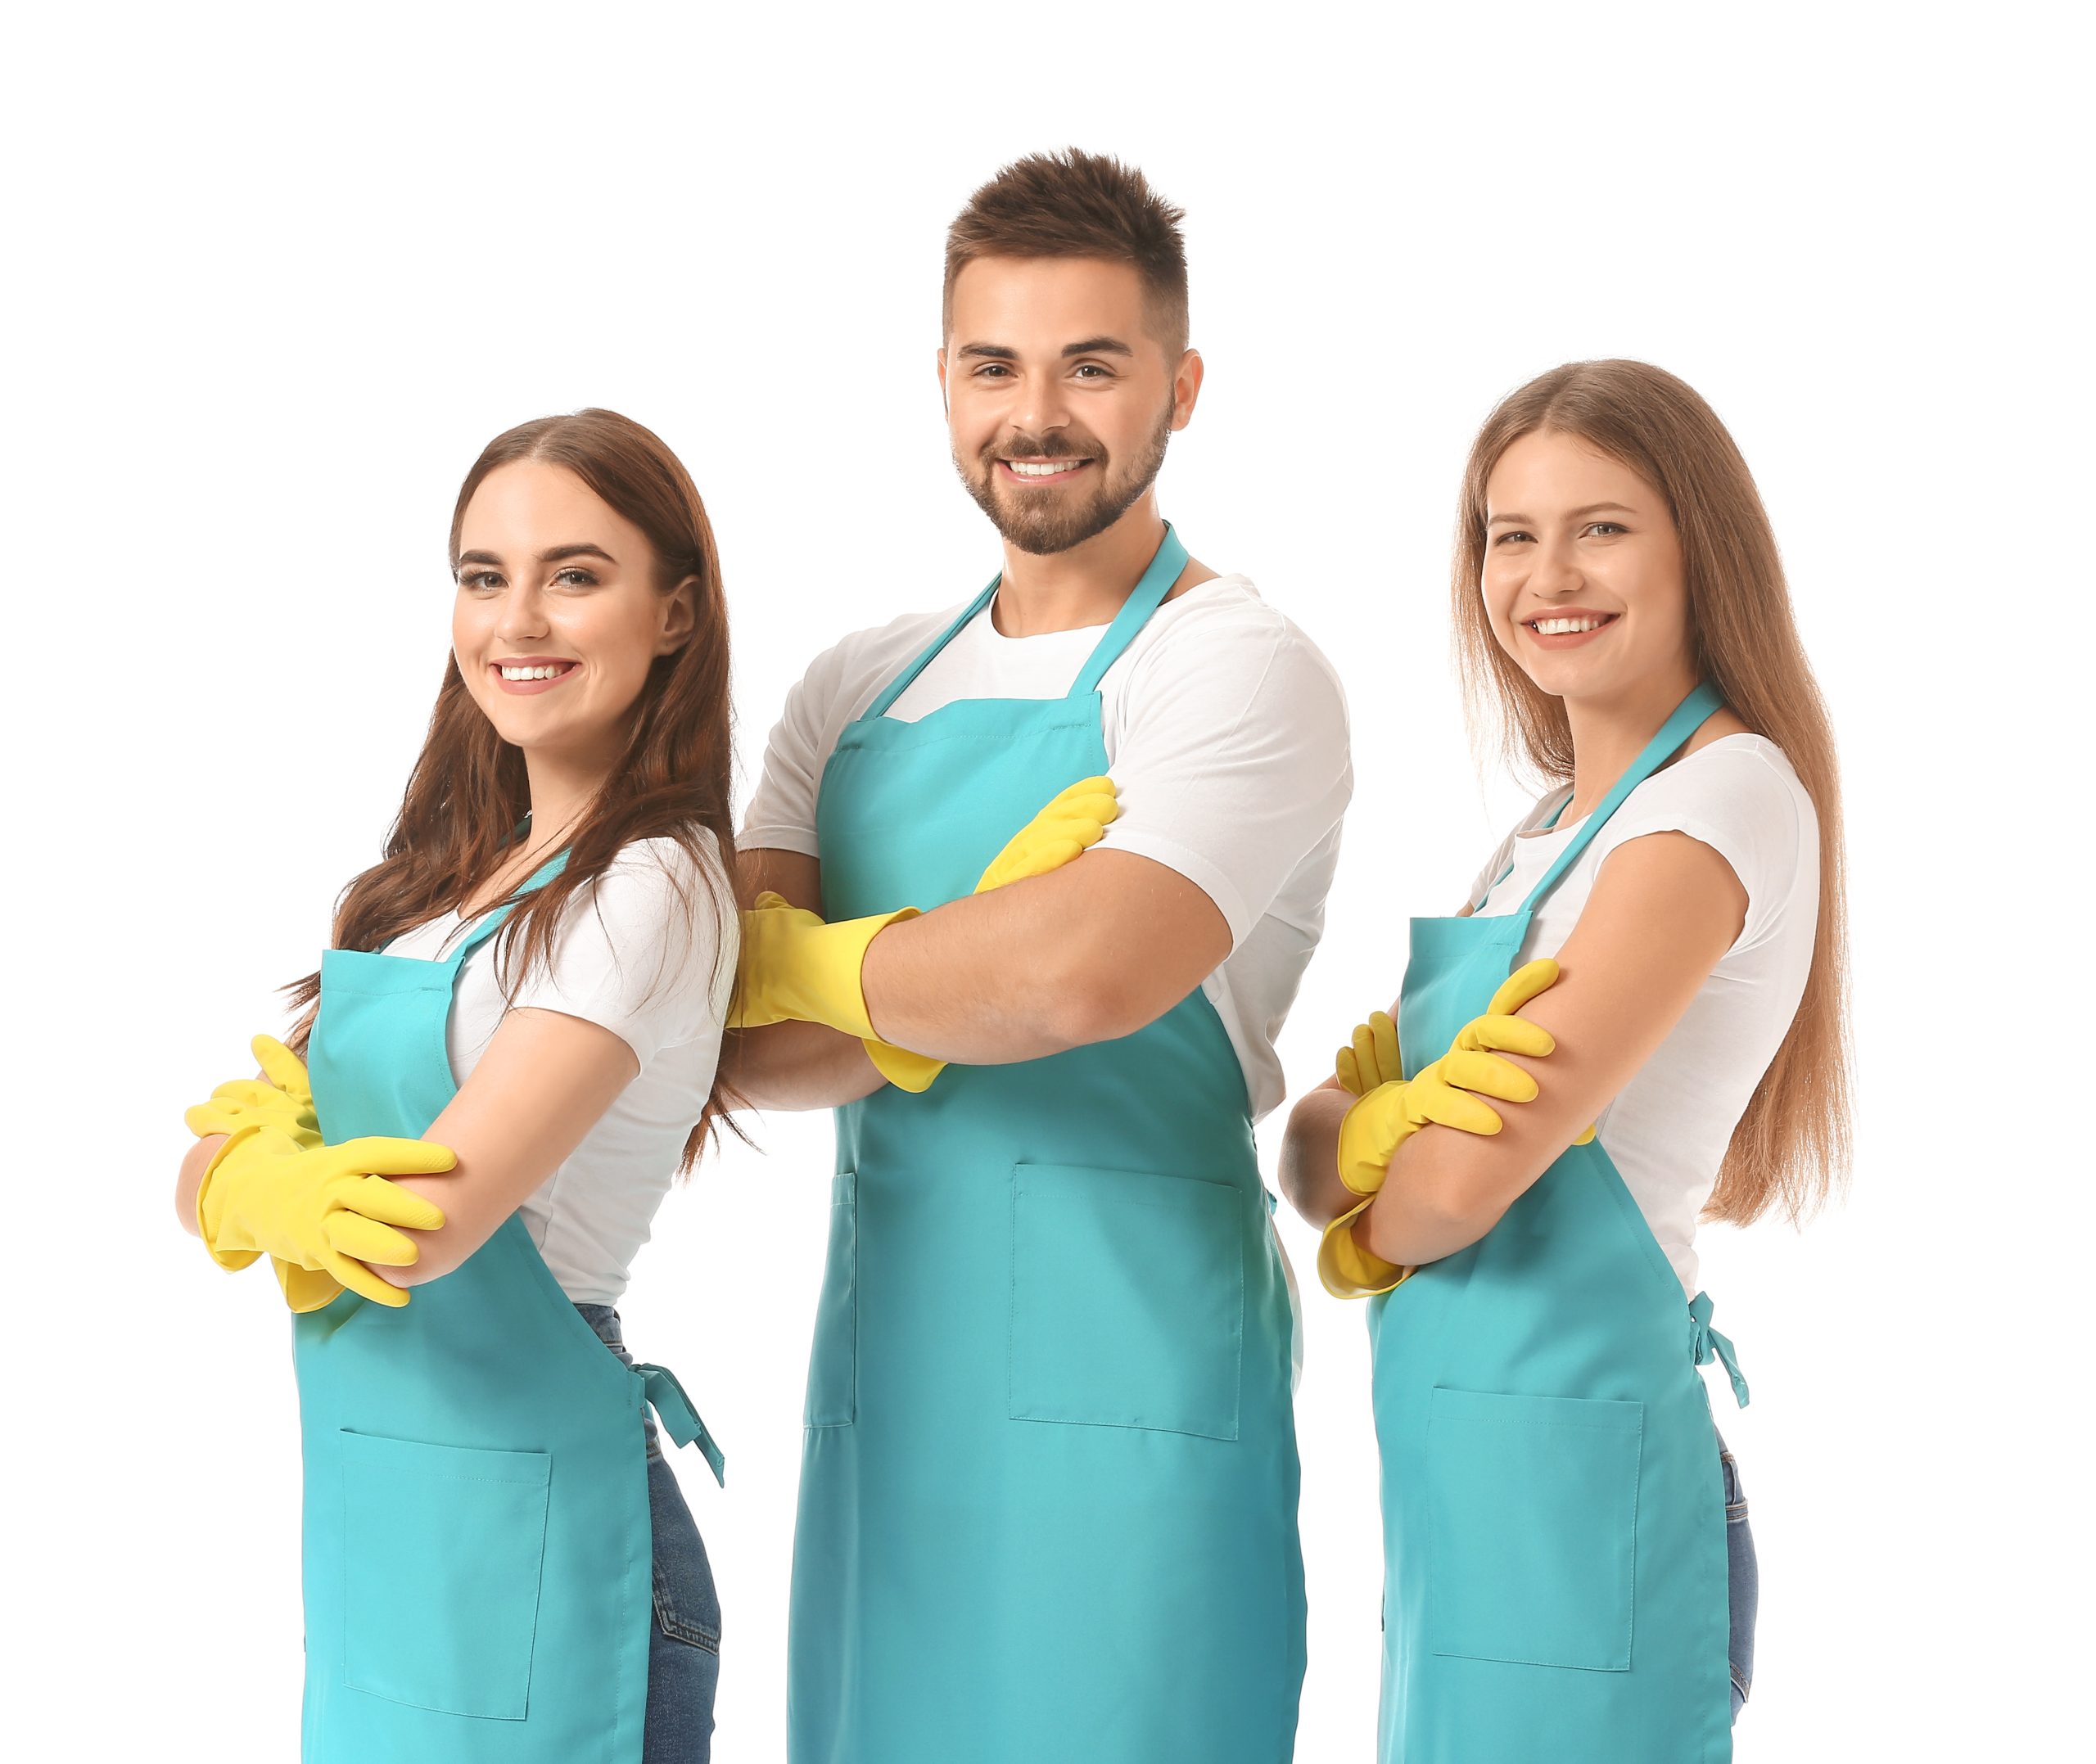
(1043, 524)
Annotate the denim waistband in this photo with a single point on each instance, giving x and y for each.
(604, 1319)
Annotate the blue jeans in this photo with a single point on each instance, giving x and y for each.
(1743, 1579)
(684, 1649)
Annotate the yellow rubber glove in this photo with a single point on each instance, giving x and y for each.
(282, 1098)
(327, 1208)
(305, 1288)
(1445, 1093)
(1499, 1028)
(1347, 1268)
(1068, 827)
(796, 969)
(1371, 1059)
(1073, 822)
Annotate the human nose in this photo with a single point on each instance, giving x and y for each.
(523, 615)
(1041, 406)
(1553, 571)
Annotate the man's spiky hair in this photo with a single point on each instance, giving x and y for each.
(1075, 203)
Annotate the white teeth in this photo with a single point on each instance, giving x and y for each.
(1027, 469)
(531, 674)
(1564, 627)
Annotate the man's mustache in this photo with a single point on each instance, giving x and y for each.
(1031, 447)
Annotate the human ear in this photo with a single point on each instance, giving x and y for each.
(679, 616)
(1186, 388)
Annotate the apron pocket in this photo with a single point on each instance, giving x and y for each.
(442, 1548)
(1532, 1529)
(833, 1360)
(1127, 1301)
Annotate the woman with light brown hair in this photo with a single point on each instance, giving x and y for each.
(1569, 1574)
(520, 1022)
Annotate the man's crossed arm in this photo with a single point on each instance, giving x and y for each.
(1090, 952)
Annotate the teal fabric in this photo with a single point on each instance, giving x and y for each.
(477, 1555)
(1048, 1494)
(1553, 1504)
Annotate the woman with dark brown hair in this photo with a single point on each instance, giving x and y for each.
(1672, 907)
(519, 1023)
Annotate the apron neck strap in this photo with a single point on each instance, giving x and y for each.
(1165, 565)
(489, 923)
(901, 684)
(1689, 715)
(1163, 570)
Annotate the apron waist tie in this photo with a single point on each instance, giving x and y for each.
(1705, 1340)
(680, 1419)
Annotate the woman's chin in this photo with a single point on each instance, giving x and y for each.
(1572, 677)
(534, 735)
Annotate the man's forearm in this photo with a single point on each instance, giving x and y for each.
(976, 982)
(1089, 952)
(796, 1065)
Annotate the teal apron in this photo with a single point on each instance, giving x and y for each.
(1553, 1505)
(478, 1555)
(1048, 1491)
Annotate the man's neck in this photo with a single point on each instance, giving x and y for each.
(1085, 585)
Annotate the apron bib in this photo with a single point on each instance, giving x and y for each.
(477, 1557)
(1048, 1492)
(1554, 1515)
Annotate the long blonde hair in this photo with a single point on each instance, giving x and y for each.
(1790, 1148)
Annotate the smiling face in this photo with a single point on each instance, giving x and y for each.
(1060, 395)
(559, 615)
(1583, 579)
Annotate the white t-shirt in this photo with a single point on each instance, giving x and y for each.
(1668, 1128)
(1225, 731)
(641, 953)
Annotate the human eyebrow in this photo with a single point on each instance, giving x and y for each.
(1576, 514)
(561, 554)
(1096, 346)
(988, 351)
(467, 557)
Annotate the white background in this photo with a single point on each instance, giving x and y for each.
(276, 277)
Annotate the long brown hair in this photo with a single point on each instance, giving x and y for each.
(1790, 1147)
(468, 792)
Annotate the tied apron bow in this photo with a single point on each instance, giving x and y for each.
(1706, 1340)
(680, 1419)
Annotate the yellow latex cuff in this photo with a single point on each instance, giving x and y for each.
(322, 1209)
(796, 969)
(282, 1098)
(905, 1071)
(1348, 1267)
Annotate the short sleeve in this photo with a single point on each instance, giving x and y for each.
(840, 683)
(1233, 764)
(1741, 798)
(648, 951)
(782, 814)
